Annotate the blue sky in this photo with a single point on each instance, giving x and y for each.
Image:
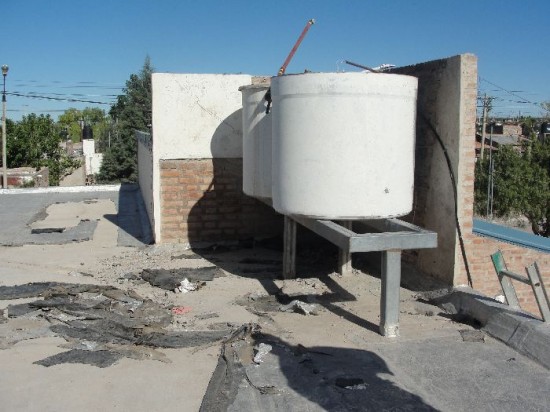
(86, 50)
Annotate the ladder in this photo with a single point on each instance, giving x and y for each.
(533, 279)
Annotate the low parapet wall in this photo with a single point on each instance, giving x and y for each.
(27, 177)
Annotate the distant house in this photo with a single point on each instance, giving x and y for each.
(498, 134)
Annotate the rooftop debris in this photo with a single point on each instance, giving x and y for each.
(101, 323)
(172, 279)
(296, 378)
(300, 307)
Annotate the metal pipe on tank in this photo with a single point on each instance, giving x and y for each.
(282, 70)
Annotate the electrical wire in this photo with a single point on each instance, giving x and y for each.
(455, 193)
(63, 99)
(511, 93)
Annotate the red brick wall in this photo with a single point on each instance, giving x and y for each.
(202, 200)
(479, 250)
(455, 121)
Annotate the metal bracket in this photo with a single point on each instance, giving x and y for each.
(389, 236)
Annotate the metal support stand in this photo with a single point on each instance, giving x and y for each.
(289, 249)
(344, 256)
(389, 236)
(389, 300)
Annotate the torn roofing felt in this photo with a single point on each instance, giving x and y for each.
(108, 322)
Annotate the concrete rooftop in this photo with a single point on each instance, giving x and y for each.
(335, 360)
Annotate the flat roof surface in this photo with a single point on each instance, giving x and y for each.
(333, 360)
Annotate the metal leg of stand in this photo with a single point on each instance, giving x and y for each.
(344, 256)
(389, 302)
(289, 249)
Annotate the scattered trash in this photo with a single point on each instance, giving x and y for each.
(187, 339)
(100, 358)
(40, 231)
(259, 304)
(22, 309)
(186, 256)
(349, 383)
(172, 279)
(209, 315)
(181, 310)
(472, 335)
(78, 274)
(500, 298)
(131, 352)
(100, 323)
(223, 326)
(185, 286)
(421, 308)
(261, 350)
(300, 307)
(358, 387)
(136, 278)
(29, 290)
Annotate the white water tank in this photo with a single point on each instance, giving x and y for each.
(256, 142)
(343, 145)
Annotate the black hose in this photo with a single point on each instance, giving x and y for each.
(455, 193)
(268, 99)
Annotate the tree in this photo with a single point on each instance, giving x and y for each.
(529, 127)
(521, 184)
(34, 142)
(132, 111)
(70, 125)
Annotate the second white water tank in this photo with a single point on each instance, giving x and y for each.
(256, 142)
(343, 145)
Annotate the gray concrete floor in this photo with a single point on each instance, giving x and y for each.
(431, 366)
(20, 212)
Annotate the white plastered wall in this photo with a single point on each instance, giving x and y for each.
(195, 116)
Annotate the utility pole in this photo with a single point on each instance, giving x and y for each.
(483, 124)
(5, 69)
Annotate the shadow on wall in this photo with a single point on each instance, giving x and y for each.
(222, 211)
(251, 229)
(131, 218)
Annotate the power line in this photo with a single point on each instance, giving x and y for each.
(68, 94)
(524, 100)
(63, 99)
